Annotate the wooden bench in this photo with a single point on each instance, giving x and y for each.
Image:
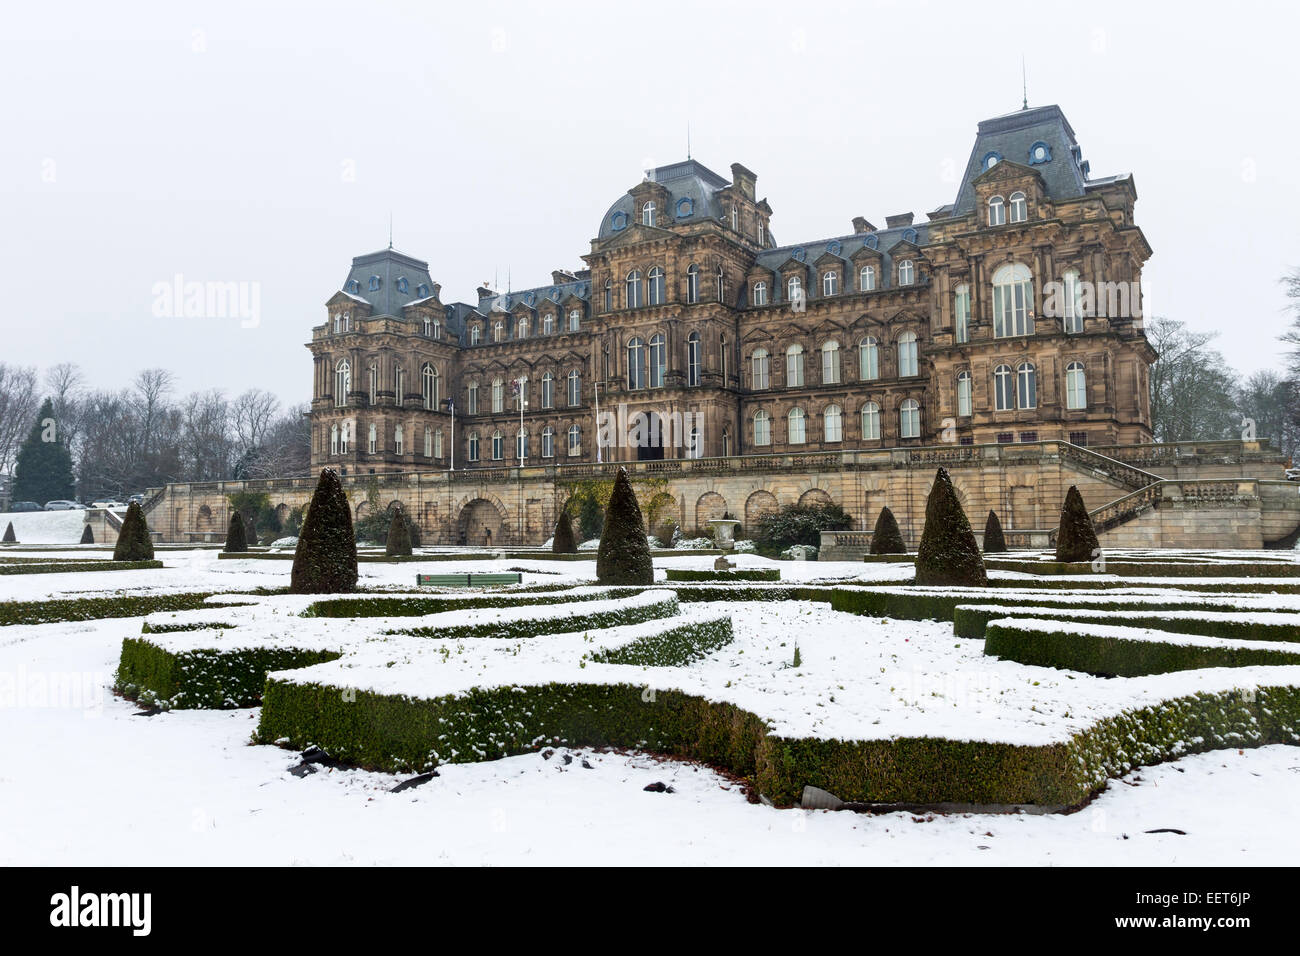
(467, 580)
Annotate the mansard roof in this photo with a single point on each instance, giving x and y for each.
(389, 266)
(845, 247)
(694, 190)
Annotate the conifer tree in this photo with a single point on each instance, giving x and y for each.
(948, 554)
(87, 535)
(398, 542)
(250, 531)
(1076, 538)
(326, 559)
(624, 555)
(133, 541)
(994, 543)
(563, 542)
(10, 537)
(887, 539)
(236, 540)
(43, 467)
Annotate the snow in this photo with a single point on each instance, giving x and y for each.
(44, 527)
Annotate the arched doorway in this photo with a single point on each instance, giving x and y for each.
(648, 436)
(480, 524)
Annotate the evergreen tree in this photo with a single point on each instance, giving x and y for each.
(994, 543)
(250, 530)
(624, 555)
(398, 543)
(563, 542)
(10, 537)
(413, 527)
(591, 520)
(87, 535)
(887, 539)
(43, 468)
(948, 554)
(1076, 539)
(236, 539)
(133, 541)
(326, 559)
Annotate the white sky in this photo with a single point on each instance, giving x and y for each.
(144, 140)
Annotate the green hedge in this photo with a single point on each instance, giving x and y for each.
(73, 567)
(436, 604)
(1152, 569)
(205, 677)
(675, 646)
(97, 608)
(535, 626)
(748, 574)
(1108, 656)
(970, 621)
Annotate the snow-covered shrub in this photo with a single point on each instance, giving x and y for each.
(800, 552)
(745, 547)
(592, 545)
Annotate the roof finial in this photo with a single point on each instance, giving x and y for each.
(1024, 84)
(390, 229)
(688, 139)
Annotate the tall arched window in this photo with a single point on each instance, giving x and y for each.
(658, 361)
(636, 363)
(521, 444)
(575, 320)
(498, 331)
(342, 382)
(475, 334)
(997, 211)
(909, 419)
(720, 283)
(428, 441)
(634, 289)
(498, 395)
(961, 313)
(868, 359)
(760, 293)
(793, 288)
(521, 326)
(694, 447)
(472, 445)
(1072, 290)
(574, 389)
(963, 394)
(870, 422)
(1076, 386)
(693, 284)
(498, 446)
(372, 439)
(830, 282)
(723, 364)
(1026, 385)
(399, 385)
(794, 366)
(760, 369)
(1003, 389)
(830, 362)
(334, 439)
(762, 428)
(906, 272)
(1019, 208)
(471, 398)
(548, 390)
(655, 286)
(373, 391)
(648, 214)
(1013, 295)
(693, 359)
(548, 442)
(575, 441)
(609, 295)
(867, 279)
(437, 443)
(907, 363)
(429, 387)
(548, 324)
(344, 432)
(832, 424)
(399, 443)
(795, 422)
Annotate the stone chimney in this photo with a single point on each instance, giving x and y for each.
(860, 225)
(437, 288)
(561, 276)
(902, 219)
(742, 177)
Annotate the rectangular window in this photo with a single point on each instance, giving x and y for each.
(1029, 436)
(1079, 438)
(1005, 438)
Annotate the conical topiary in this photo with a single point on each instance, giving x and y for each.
(887, 539)
(133, 541)
(1076, 538)
(398, 543)
(624, 555)
(563, 542)
(10, 537)
(236, 541)
(994, 543)
(413, 527)
(87, 535)
(326, 559)
(250, 531)
(948, 554)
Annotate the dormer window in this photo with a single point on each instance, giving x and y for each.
(475, 334)
(521, 328)
(793, 288)
(867, 279)
(1019, 207)
(548, 324)
(354, 286)
(422, 290)
(374, 283)
(760, 293)
(990, 160)
(830, 282)
(648, 214)
(906, 272)
(403, 286)
(997, 211)
(575, 320)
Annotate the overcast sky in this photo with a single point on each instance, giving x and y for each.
(268, 142)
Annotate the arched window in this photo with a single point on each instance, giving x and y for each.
(498, 395)
(334, 439)
(648, 214)
(574, 389)
(720, 283)
(437, 443)
(473, 446)
(722, 358)
(373, 391)
(498, 446)
(658, 361)
(694, 447)
(399, 385)
(795, 422)
(830, 362)
(636, 363)
(961, 313)
(735, 218)
(399, 445)
(575, 320)
(693, 284)
(521, 326)
(906, 272)
(548, 390)
(475, 334)
(794, 366)
(372, 439)
(830, 282)
(575, 441)
(429, 387)
(870, 422)
(997, 211)
(471, 398)
(793, 288)
(760, 369)
(342, 382)
(521, 444)
(963, 394)
(1072, 289)
(1076, 386)
(548, 325)
(548, 442)
(498, 331)
(655, 286)
(760, 293)
(832, 424)
(1003, 389)
(634, 289)
(762, 428)
(868, 359)
(428, 441)
(1026, 385)
(726, 442)
(867, 279)
(1019, 208)
(909, 419)
(1013, 294)
(693, 359)
(907, 364)
(344, 432)
(609, 295)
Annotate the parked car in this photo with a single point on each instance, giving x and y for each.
(108, 503)
(1292, 474)
(60, 504)
(25, 506)
(137, 498)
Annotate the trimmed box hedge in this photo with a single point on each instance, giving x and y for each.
(538, 625)
(97, 608)
(970, 620)
(1152, 569)
(747, 574)
(74, 567)
(675, 646)
(419, 606)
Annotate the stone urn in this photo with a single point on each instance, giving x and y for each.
(724, 532)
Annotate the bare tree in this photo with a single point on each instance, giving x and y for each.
(208, 447)
(286, 449)
(19, 401)
(253, 412)
(1193, 391)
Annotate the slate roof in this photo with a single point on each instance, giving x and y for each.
(689, 179)
(390, 265)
